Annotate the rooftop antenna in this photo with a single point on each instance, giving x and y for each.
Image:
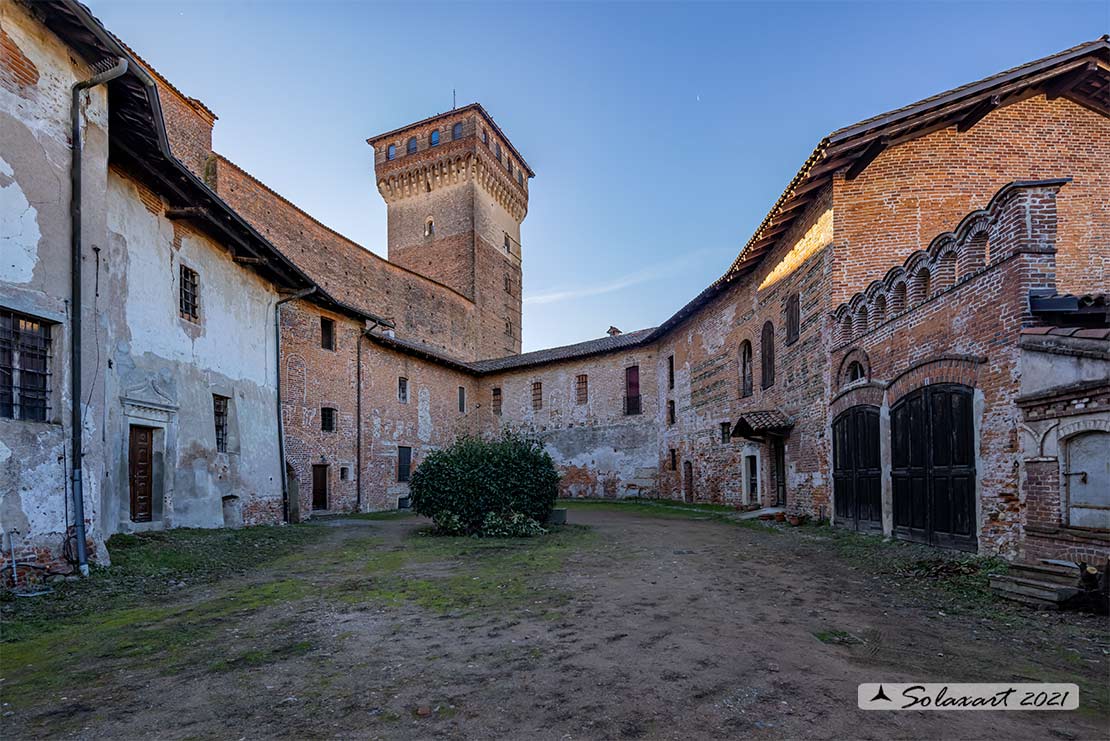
(452, 99)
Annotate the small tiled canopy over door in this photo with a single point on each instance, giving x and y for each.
(857, 472)
(933, 467)
(140, 463)
(1088, 480)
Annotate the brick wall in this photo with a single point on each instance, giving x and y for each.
(922, 187)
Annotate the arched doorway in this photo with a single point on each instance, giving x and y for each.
(933, 466)
(688, 481)
(857, 471)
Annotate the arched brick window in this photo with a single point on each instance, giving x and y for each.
(456, 131)
(391, 151)
(922, 285)
(746, 368)
(767, 355)
(411, 146)
(855, 372)
(433, 138)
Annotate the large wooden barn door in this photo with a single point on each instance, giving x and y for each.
(857, 471)
(933, 467)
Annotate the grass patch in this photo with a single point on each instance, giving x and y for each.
(462, 574)
(145, 569)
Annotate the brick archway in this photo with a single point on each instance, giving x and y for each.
(957, 369)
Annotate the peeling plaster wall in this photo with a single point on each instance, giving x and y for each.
(36, 75)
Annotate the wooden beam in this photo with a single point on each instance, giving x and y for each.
(1055, 88)
(244, 260)
(867, 157)
(978, 112)
(187, 212)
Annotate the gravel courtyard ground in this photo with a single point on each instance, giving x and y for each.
(631, 623)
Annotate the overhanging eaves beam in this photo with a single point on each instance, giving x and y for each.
(978, 112)
(187, 212)
(1066, 83)
(874, 149)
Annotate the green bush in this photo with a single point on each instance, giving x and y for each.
(503, 487)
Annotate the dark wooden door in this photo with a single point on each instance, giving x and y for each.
(778, 446)
(320, 486)
(933, 467)
(857, 471)
(140, 460)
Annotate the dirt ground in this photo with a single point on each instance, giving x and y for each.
(640, 627)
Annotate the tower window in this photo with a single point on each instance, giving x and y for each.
(670, 371)
(632, 389)
(497, 401)
(508, 245)
(508, 284)
(509, 328)
(433, 138)
(456, 131)
(189, 304)
(509, 164)
(520, 178)
(726, 432)
(670, 412)
(537, 396)
(582, 388)
(391, 151)
(497, 150)
(462, 400)
(411, 146)
(485, 137)
(856, 371)
(327, 419)
(674, 459)
(429, 228)
(327, 333)
(745, 368)
(403, 390)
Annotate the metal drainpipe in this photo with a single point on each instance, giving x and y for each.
(277, 386)
(358, 415)
(119, 67)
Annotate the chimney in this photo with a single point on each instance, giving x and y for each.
(613, 332)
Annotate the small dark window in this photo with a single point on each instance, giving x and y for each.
(403, 390)
(485, 137)
(632, 389)
(508, 284)
(433, 139)
(520, 178)
(219, 411)
(582, 388)
(344, 473)
(429, 228)
(508, 244)
(793, 319)
(190, 294)
(509, 164)
(24, 367)
(327, 333)
(497, 401)
(509, 328)
(670, 371)
(767, 355)
(404, 463)
(856, 371)
(670, 412)
(327, 419)
(456, 131)
(726, 432)
(537, 396)
(745, 368)
(497, 150)
(411, 146)
(391, 152)
(462, 400)
(674, 459)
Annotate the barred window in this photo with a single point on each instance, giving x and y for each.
(582, 388)
(537, 396)
(24, 367)
(497, 401)
(219, 411)
(327, 419)
(190, 294)
(403, 390)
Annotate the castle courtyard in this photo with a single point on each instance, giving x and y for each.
(634, 621)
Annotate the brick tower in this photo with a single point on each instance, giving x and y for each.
(456, 191)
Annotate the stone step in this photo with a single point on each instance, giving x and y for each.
(1005, 585)
(1046, 572)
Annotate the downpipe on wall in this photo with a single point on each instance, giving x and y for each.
(105, 74)
(286, 504)
(358, 414)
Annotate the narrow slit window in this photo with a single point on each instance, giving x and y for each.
(403, 390)
(674, 459)
(670, 412)
(219, 412)
(582, 388)
(670, 371)
(327, 333)
(404, 463)
(189, 304)
(726, 432)
(462, 400)
(496, 401)
(793, 318)
(632, 390)
(537, 396)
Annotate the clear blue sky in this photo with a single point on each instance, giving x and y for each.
(660, 134)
